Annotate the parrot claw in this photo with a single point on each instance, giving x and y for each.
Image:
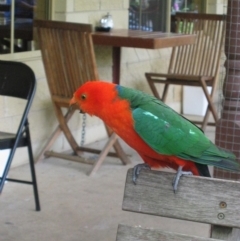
(137, 169)
(176, 179)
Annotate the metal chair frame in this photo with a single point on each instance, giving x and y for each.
(18, 80)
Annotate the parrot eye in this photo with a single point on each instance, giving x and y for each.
(83, 96)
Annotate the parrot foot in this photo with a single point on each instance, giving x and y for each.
(176, 179)
(137, 169)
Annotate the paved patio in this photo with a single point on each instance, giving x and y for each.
(76, 206)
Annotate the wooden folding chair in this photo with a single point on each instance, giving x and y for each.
(69, 61)
(196, 64)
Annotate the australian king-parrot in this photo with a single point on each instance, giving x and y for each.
(161, 136)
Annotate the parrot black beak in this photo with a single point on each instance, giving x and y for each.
(81, 111)
(73, 104)
(73, 101)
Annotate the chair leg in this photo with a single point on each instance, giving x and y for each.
(152, 86)
(209, 99)
(50, 142)
(64, 127)
(6, 170)
(165, 91)
(118, 148)
(208, 111)
(103, 154)
(32, 168)
(205, 119)
(121, 154)
(53, 137)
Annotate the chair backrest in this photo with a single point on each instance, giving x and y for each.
(68, 55)
(198, 199)
(203, 57)
(16, 80)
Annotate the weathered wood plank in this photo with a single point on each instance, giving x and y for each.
(220, 232)
(225, 233)
(199, 199)
(128, 233)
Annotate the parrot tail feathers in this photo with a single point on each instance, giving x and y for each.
(228, 163)
(203, 170)
(218, 157)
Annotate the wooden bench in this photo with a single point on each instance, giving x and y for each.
(198, 199)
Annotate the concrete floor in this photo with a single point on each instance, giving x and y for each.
(75, 206)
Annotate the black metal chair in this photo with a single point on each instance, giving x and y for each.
(18, 80)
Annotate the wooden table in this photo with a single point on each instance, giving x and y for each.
(118, 38)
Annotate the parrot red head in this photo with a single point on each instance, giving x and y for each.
(94, 96)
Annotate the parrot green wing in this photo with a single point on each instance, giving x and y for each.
(168, 133)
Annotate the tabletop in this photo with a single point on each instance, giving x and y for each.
(141, 39)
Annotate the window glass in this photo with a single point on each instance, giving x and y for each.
(148, 15)
(16, 24)
(196, 6)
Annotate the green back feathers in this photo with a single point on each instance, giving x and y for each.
(168, 133)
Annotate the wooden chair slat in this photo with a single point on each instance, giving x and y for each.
(128, 233)
(198, 199)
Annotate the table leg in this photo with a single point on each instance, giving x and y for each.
(116, 57)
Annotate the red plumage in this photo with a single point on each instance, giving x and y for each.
(106, 104)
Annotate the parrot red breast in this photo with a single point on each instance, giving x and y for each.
(161, 136)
